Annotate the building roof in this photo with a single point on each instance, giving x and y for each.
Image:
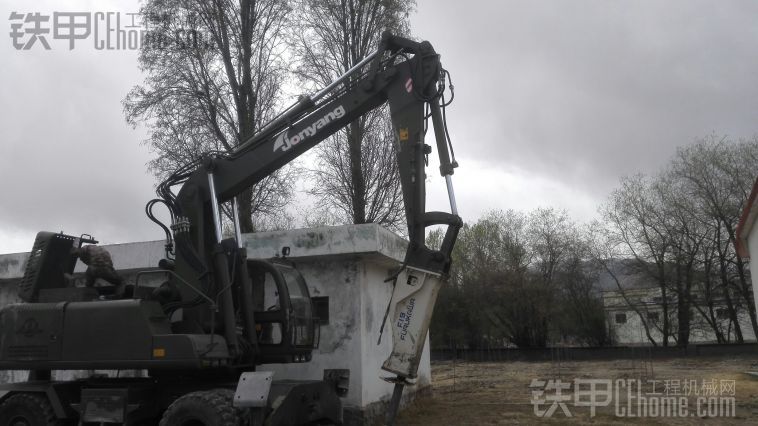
(367, 239)
(747, 220)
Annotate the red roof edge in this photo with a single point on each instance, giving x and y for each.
(746, 223)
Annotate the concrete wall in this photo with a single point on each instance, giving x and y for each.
(348, 264)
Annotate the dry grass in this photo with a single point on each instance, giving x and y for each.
(499, 393)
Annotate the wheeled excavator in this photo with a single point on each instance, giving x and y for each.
(217, 314)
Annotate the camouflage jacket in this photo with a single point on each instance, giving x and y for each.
(96, 257)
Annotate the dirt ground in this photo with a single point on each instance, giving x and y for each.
(500, 393)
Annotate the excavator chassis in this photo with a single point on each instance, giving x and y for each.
(143, 401)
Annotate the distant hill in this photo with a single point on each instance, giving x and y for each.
(629, 274)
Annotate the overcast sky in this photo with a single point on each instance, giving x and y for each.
(555, 100)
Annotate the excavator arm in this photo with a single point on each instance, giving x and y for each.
(408, 76)
(407, 86)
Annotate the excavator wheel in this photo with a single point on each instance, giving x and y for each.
(203, 408)
(27, 409)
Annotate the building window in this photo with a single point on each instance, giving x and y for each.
(652, 316)
(722, 313)
(321, 308)
(620, 318)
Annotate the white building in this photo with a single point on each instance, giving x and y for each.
(747, 234)
(635, 315)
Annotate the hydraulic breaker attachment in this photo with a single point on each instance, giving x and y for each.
(413, 300)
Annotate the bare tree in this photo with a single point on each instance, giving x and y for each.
(214, 70)
(550, 239)
(686, 238)
(636, 220)
(608, 252)
(357, 175)
(582, 313)
(707, 286)
(380, 187)
(522, 279)
(718, 173)
(680, 226)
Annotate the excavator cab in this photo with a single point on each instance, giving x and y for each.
(285, 326)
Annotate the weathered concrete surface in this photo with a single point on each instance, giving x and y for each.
(349, 265)
(346, 263)
(345, 240)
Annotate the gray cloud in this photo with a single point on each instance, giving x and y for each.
(554, 101)
(585, 91)
(68, 161)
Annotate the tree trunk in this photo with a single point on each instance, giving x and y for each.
(747, 295)
(682, 315)
(245, 201)
(666, 322)
(713, 321)
(683, 326)
(356, 173)
(723, 273)
(733, 316)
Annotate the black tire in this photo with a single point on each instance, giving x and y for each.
(205, 408)
(27, 409)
